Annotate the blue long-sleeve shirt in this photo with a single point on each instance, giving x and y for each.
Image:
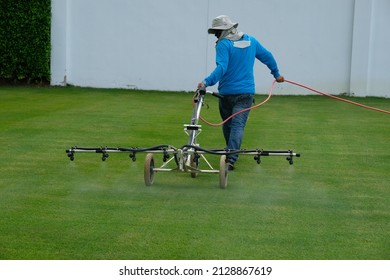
(235, 60)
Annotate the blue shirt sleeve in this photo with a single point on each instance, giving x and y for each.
(222, 61)
(267, 58)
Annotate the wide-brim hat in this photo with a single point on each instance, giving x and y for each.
(221, 23)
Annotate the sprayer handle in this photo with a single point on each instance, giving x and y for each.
(202, 90)
(215, 94)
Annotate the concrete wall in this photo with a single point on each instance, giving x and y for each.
(333, 45)
(370, 61)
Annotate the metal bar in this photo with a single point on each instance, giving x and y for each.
(164, 169)
(198, 150)
(208, 163)
(188, 171)
(167, 162)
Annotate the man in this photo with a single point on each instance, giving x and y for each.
(235, 57)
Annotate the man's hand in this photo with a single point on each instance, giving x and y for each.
(280, 79)
(201, 85)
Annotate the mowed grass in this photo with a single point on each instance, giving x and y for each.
(333, 203)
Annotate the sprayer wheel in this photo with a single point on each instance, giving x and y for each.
(193, 164)
(223, 172)
(149, 170)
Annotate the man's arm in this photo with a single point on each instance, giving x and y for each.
(222, 61)
(268, 59)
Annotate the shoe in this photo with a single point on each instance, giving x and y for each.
(230, 166)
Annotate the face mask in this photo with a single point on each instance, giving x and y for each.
(218, 33)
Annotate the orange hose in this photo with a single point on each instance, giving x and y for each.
(300, 85)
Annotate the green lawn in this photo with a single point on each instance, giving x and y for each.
(333, 203)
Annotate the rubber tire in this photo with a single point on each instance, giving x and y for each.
(193, 165)
(149, 170)
(223, 172)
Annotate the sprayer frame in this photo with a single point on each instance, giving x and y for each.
(188, 156)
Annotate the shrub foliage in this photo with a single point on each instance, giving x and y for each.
(25, 40)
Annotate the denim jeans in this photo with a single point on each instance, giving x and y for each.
(233, 129)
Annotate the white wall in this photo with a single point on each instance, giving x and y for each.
(370, 74)
(333, 45)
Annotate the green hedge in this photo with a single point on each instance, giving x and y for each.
(25, 40)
